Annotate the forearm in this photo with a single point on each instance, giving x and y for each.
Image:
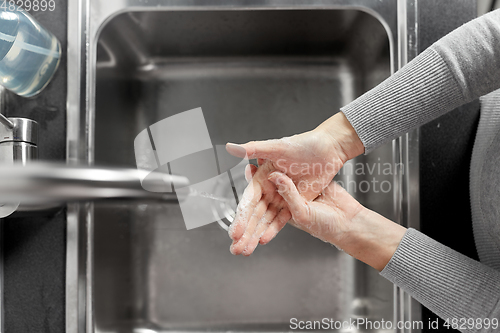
(453, 286)
(458, 68)
(372, 239)
(448, 283)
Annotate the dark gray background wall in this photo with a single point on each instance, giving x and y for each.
(35, 247)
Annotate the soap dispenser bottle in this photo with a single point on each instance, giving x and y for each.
(29, 54)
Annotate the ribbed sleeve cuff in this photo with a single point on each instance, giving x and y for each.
(447, 282)
(422, 90)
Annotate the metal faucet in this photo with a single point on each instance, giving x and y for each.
(40, 186)
(18, 146)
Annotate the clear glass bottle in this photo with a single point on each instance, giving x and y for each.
(29, 54)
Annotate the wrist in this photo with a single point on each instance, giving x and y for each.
(340, 131)
(372, 238)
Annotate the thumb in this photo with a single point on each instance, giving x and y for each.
(256, 149)
(287, 189)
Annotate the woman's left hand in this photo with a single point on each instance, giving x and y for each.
(337, 218)
(329, 217)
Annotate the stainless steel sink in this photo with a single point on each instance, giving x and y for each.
(259, 70)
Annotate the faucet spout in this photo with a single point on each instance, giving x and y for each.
(39, 183)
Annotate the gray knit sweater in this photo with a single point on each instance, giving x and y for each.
(457, 69)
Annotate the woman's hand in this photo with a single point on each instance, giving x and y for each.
(310, 160)
(328, 217)
(337, 218)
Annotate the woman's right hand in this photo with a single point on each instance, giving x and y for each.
(310, 160)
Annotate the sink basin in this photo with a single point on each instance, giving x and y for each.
(257, 73)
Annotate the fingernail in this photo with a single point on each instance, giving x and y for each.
(231, 249)
(236, 150)
(278, 180)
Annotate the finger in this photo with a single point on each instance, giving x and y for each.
(251, 197)
(236, 150)
(256, 149)
(261, 161)
(250, 171)
(275, 227)
(296, 204)
(264, 223)
(242, 242)
(288, 190)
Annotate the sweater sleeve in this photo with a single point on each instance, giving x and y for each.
(447, 282)
(458, 68)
